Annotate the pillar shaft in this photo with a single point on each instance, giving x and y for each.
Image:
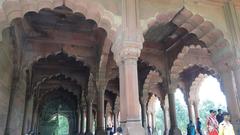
(15, 118)
(173, 119)
(230, 91)
(174, 128)
(89, 118)
(100, 113)
(28, 115)
(195, 105)
(190, 111)
(115, 122)
(82, 120)
(129, 97)
(166, 118)
(144, 121)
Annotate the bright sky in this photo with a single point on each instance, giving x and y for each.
(209, 90)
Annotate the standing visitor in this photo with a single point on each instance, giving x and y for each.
(220, 116)
(190, 128)
(199, 126)
(226, 128)
(212, 123)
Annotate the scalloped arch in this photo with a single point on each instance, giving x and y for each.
(194, 89)
(153, 77)
(190, 56)
(52, 77)
(17, 8)
(193, 23)
(62, 52)
(203, 29)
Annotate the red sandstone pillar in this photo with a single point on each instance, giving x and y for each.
(190, 111)
(195, 105)
(174, 128)
(100, 113)
(126, 56)
(89, 118)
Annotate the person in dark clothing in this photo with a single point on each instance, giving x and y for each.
(220, 116)
(199, 126)
(191, 128)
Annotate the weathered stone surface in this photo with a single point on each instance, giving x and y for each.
(6, 67)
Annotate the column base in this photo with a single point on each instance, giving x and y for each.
(175, 131)
(100, 131)
(133, 128)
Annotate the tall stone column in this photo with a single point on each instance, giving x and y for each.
(195, 105)
(100, 113)
(126, 54)
(230, 91)
(115, 121)
(28, 115)
(82, 124)
(15, 118)
(190, 111)
(89, 118)
(143, 102)
(174, 130)
(165, 108)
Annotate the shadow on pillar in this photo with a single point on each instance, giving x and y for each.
(100, 132)
(175, 131)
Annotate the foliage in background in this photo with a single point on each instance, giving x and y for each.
(182, 116)
(159, 121)
(63, 125)
(204, 108)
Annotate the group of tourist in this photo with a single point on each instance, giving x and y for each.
(217, 124)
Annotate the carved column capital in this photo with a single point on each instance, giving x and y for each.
(126, 50)
(127, 47)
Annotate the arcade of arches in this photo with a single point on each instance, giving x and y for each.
(100, 62)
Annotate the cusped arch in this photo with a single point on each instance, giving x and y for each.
(190, 56)
(204, 30)
(193, 23)
(94, 11)
(194, 89)
(150, 83)
(61, 53)
(58, 76)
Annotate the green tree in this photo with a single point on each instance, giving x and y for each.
(63, 125)
(159, 121)
(182, 116)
